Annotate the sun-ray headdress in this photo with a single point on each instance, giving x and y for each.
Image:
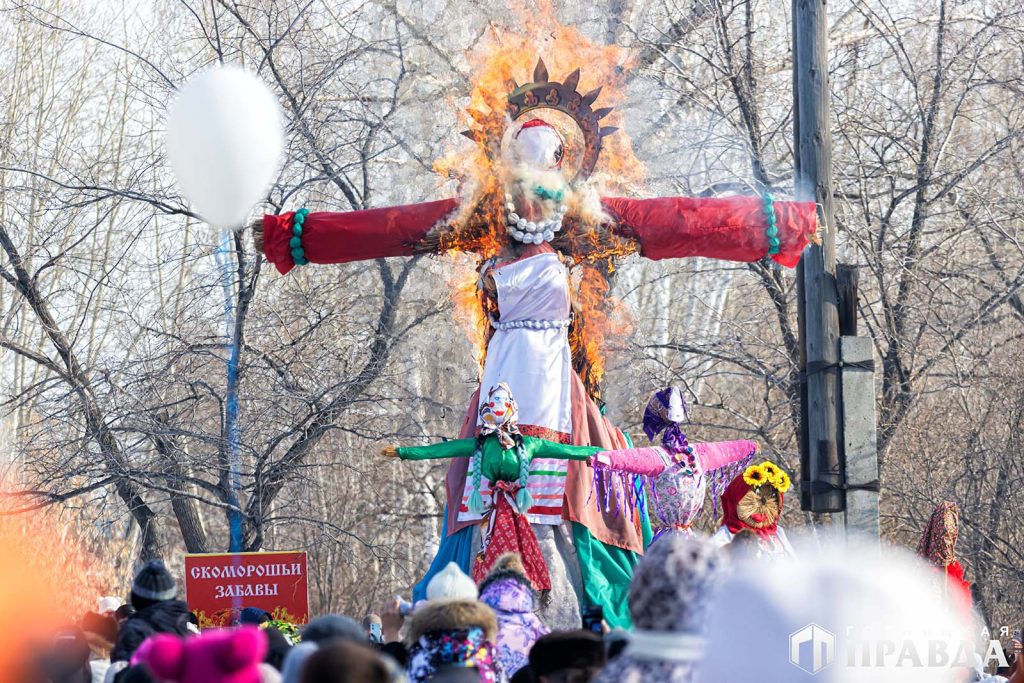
(542, 93)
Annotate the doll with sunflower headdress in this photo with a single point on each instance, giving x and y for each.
(752, 503)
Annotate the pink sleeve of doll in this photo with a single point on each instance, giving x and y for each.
(650, 461)
(719, 454)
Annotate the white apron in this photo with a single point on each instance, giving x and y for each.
(529, 351)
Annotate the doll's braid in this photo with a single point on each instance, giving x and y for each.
(523, 499)
(476, 502)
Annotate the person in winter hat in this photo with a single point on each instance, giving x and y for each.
(278, 647)
(453, 583)
(319, 632)
(253, 615)
(100, 632)
(152, 584)
(333, 627)
(348, 662)
(295, 660)
(510, 594)
(669, 599)
(220, 656)
(567, 657)
(123, 614)
(444, 633)
(65, 659)
(157, 611)
(107, 605)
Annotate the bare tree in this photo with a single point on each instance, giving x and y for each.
(112, 293)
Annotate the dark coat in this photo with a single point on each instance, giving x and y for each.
(169, 616)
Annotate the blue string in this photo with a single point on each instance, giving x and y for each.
(224, 260)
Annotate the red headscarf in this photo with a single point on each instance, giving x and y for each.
(730, 501)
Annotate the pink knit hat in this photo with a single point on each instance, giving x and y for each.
(222, 656)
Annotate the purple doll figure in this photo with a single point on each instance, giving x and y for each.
(677, 473)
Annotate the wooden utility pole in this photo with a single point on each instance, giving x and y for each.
(821, 473)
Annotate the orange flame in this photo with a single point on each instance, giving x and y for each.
(461, 278)
(508, 54)
(603, 322)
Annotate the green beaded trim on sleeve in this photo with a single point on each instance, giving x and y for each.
(298, 222)
(771, 229)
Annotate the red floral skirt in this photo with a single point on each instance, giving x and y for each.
(507, 531)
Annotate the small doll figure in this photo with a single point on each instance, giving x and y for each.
(753, 503)
(501, 458)
(938, 547)
(677, 472)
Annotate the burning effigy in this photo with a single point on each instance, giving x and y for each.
(536, 203)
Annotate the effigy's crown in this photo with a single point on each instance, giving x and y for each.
(563, 96)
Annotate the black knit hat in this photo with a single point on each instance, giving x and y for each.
(566, 650)
(153, 584)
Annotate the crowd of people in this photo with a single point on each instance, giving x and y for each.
(700, 612)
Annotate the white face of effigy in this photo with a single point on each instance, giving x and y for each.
(675, 406)
(539, 147)
(497, 410)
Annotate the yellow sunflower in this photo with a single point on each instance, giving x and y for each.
(782, 482)
(771, 469)
(755, 476)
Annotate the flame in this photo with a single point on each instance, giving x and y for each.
(461, 278)
(603, 322)
(507, 55)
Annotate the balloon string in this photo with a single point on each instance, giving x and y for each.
(225, 262)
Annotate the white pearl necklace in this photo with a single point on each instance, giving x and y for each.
(532, 232)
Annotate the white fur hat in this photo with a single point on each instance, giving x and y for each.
(108, 603)
(451, 583)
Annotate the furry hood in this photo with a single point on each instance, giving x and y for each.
(451, 615)
(506, 589)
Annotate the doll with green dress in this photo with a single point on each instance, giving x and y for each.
(500, 470)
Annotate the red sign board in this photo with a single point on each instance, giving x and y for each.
(218, 586)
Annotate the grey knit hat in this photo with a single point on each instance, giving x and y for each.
(154, 583)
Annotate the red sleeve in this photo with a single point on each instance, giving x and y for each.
(728, 228)
(353, 235)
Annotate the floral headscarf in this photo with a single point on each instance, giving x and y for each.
(938, 543)
(505, 427)
(463, 647)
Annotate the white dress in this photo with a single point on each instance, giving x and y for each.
(529, 351)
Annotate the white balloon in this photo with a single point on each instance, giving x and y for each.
(225, 140)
